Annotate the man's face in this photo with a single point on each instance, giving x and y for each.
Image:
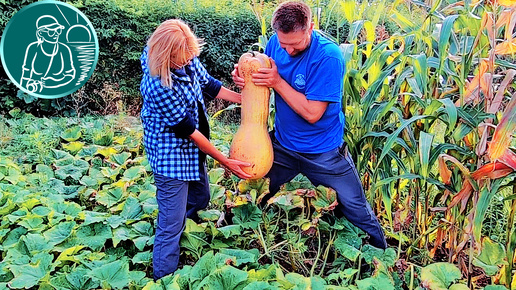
(295, 42)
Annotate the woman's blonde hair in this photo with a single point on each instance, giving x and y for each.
(171, 46)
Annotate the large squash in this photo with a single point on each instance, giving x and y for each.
(251, 142)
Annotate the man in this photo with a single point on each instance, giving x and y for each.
(306, 75)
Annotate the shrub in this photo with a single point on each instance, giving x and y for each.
(122, 31)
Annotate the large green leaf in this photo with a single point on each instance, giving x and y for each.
(230, 230)
(94, 235)
(216, 175)
(242, 256)
(121, 233)
(226, 277)
(377, 282)
(13, 237)
(75, 170)
(142, 258)
(59, 232)
(28, 275)
(133, 173)
(112, 275)
(36, 243)
(193, 238)
(131, 210)
(72, 134)
(110, 196)
(204, 266)
(121, 158)
(77, 279)
(440, 276)
(248, 216)
(210, 215)
(345, 249)
(491, 257)
(301, 282)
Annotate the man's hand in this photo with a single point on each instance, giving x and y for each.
(268, 77)
(239, 81)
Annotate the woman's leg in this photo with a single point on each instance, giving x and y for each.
(171, 195)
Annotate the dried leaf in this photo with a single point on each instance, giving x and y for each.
(507, 3)
(497, 101)
(444, 171)
(493, 170)
(472, 89)
(506, 47)
(509, 159)
(503, 133)
(462, 197)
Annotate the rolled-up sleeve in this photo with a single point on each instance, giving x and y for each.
(210, 86)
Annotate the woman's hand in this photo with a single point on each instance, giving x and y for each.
(232, 164)
(236, 167)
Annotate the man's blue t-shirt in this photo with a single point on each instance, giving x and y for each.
(318, 73)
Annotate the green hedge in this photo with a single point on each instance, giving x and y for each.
(122, 34)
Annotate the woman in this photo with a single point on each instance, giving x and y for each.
(174, 87)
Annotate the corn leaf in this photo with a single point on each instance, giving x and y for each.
(503, 133)
(425, 145)
(444, 37)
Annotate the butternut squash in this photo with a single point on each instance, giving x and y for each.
(252, 143)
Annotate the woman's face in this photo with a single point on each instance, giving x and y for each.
(50, 35)
(180, 65)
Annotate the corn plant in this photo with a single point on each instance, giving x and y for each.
(427, 97)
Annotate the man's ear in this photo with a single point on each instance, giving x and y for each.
(311, 27)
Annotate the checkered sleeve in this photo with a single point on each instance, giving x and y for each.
(210, 86)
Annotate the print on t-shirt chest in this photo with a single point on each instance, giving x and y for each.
(298, 78)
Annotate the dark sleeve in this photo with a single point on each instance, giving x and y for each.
(212, 88)
(185, 127)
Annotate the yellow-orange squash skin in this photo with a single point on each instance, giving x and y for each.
(252, 142)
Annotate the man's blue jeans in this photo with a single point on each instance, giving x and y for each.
(333, 169)
(177, 200)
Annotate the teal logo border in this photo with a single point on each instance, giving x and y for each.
(75, 87)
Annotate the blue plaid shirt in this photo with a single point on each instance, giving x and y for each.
(163, 108)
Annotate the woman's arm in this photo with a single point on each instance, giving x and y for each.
(229, 95)
(232, 164)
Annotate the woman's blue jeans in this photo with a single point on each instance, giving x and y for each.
(177, 200)
(333, 169)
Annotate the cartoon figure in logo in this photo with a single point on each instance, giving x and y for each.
(48, 63)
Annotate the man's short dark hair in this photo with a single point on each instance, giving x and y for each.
(291, 16)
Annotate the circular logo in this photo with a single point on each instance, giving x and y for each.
(49, 49)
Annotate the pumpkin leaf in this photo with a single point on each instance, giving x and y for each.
(112, 275)
(440, 275)
(226, 277)
(59, 232)
(72, 134)
(491, 256)
(248, 216)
